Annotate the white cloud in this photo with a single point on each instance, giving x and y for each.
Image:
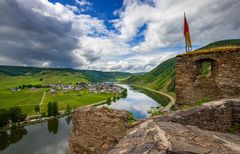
(209, 21)
(83, 2)
(57, 35)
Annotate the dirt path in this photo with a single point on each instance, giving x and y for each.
(170, 104)
(44, 94)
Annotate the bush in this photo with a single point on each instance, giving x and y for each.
(124, 93)
(130, 118)
(4, 117)
(202, 101)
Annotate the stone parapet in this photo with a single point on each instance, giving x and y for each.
(223, 83)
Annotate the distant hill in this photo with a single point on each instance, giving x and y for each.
(63, 74)
(162, 77)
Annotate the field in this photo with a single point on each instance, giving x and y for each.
(28, 98)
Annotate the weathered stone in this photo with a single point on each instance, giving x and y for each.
(96, 130)
(212, 116)
(166, 137)
(224, 81)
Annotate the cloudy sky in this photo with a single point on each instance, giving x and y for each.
(109, 35)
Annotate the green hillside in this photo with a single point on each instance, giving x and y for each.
(162, 77)
(61, 74)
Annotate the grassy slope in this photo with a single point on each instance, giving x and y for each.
(89, 75)
(28, 98)
(11, 77)
(162, 78)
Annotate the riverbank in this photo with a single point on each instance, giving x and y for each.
(171, 99)
(33, 119)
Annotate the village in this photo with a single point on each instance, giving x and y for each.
(96, 88)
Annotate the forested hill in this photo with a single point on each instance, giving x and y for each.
(62, 73)
(162, 77)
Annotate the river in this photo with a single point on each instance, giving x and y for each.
(51, 137)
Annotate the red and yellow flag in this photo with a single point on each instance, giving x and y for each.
(187, 35)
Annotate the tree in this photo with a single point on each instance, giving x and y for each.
(114, 98)
(37, 108)
(50, 109)
(68, 111)
(108, 101)
(124, 93)
(4, 117)
(16, 115)
(55, 108)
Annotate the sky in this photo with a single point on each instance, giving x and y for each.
(109, 35)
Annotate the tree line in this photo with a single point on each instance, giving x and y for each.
(13, 114)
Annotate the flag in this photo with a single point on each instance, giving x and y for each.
(188, 43)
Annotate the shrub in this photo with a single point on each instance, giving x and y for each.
(130, 118)
(202, 101)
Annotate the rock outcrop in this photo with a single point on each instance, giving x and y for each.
(171, 138)
(213, 116)
(97, 130)
(100, 130)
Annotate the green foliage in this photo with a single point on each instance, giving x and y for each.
(56, 74)
(234, 129)
(107, 108)
(156, 110)
(234, 42)
(206, 69)
(37, 108)
(16, 115)
(52, 109)
(4, 117)
(202, 101)
(130, 118)
(68, 110)
(108, 101)
(160, 78)
(198, 103)
(55, 108)
(124, 93)
(114, 98)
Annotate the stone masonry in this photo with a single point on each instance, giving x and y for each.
(224, 81)
(197, 130)
(96, 130)
(213, 116)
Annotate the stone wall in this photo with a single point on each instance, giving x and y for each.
(212, 116)
(224, 81)
(236, 112)
(96, 130)
(152, 137)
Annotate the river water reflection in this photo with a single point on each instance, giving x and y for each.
(51, 137)
(139, 101)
